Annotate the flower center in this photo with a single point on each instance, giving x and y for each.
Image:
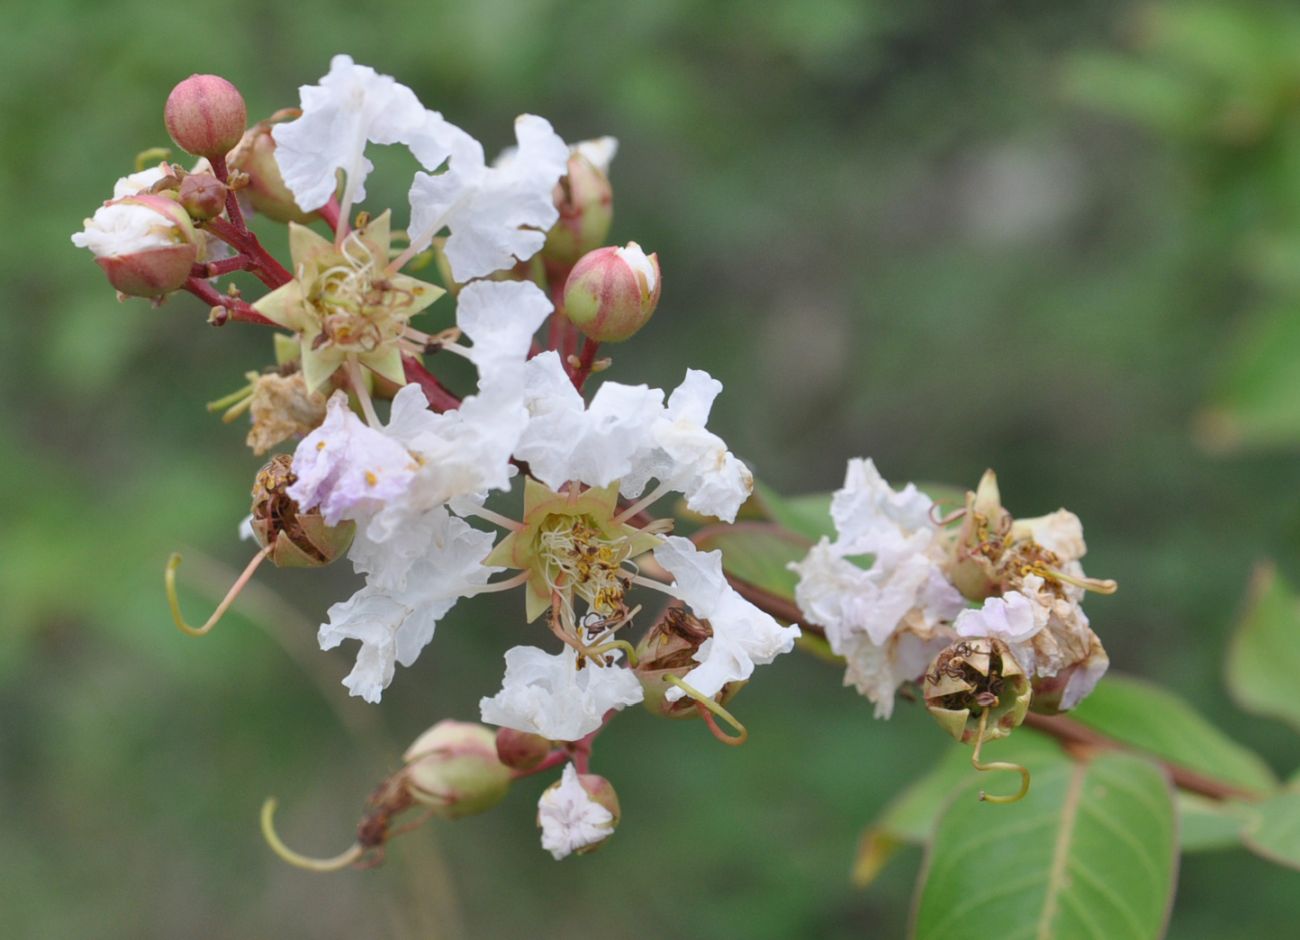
(578, 558)
(360, 309)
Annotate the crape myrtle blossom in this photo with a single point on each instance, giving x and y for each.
(878, 590)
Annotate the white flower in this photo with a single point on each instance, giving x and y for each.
(121, 228)
(1060, 532)
(393, 626)
(548, 695)
(1014, 617)
(352, 105)
(136, 183)
(496, 215)
(743, 636)
(347, 468)
(570, 818)
(594, 444)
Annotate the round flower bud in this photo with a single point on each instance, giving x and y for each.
(203, 196)
(972, 677)
(146, 244)
(586, 204)
(612, 292)
(520, 750)
(453, 768)
(577, 814)
(206, 116)
(255, 156)
(297, 539)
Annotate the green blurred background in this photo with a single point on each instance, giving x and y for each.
(1034, 236)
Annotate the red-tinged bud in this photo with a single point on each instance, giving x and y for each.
(612, 292)
(206, 116)
(453, 768)
(577, 814)
(146, 244)
(255, 156)
(203, 196)
(520, 750)
(586, 204)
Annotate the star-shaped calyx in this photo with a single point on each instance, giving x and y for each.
(345, 303)
(572, 544)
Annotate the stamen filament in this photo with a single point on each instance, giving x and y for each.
(337, 863)
(173, 601)
(998, 765)
(669, 589)
(505, 585)
(608, 645)
(644, 502)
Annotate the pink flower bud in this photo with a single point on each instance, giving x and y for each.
(146, 244)
(612, 292)
(206, 116)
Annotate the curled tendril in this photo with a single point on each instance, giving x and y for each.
(708, 708)
(173, 601)
(337, 863)
(150, 157)
(998, 765)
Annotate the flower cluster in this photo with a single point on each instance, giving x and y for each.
(904, 596)
(405, 495)
(403, 466)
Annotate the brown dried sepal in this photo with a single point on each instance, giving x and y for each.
(297, 539)
(971, 677)
(283, 407)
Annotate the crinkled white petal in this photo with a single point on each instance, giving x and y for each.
(870, 516)
(347, 468)
(394, 625)
(570, 818)
(1014, 617)
(120, 229)
(595, 444)
(743, 636)
(352, 105)
(548, 695)
(496, 215)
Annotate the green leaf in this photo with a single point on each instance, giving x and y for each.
(1264, 657)
(1144, 716)
(910, 817)
(1089, 852)
(1205, 825)
(757, 553)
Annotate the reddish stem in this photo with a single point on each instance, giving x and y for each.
(264, 266)
(235, 308)
(224, 266)
(232, 202)
(585, 362)
(439, 398)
